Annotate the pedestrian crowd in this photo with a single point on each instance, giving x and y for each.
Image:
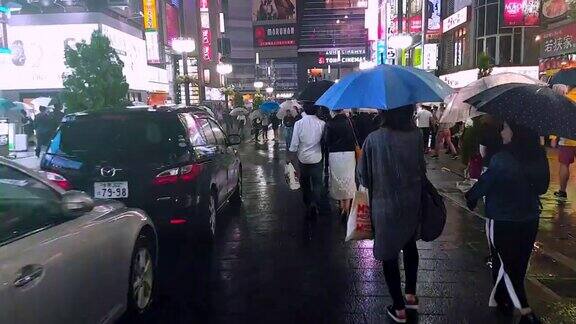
(43, 126)
(505, 158)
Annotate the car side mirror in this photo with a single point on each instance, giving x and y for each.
(74, 203)
(234, 140)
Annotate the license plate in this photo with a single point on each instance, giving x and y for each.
(106, 190)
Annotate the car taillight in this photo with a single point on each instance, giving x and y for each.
(185, 173)
(57, 179)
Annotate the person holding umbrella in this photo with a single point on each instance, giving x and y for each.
(512, 185)
(516, 177)
(392, 166)
(288, 121)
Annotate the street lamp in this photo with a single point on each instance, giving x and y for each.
(258, 85)
(269, 90)
(223, 69)
(183, 46)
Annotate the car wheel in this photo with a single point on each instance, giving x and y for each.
(236, 198)
(141, 284)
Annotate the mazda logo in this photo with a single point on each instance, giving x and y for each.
(108, 171)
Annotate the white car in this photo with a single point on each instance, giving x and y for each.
(65, 258)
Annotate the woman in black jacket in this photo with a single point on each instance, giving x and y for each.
(516, 177)
(340, 142)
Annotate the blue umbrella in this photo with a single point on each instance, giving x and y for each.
(269, 107)
(385, 87)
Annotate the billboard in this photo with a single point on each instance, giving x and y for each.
(274, 23)
(433, 10)
(555, 10)
(521, 13)
(37, 60)
(266, 10)
(558, 41)
(172, 23)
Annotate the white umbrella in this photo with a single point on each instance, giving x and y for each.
(457, 110)
(255, 114)
(238, 111)
(208, 110)
(288, 105)
(41, 101)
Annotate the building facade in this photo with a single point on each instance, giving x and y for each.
(37, 34)
(333, 39)
(239, 29)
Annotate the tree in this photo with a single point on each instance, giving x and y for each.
(484, 65)
(95, 80)
(238, 100)
(258, 100)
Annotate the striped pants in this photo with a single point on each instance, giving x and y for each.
(512, 244)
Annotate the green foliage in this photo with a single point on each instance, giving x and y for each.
(95, 80)
(238, 100)
(484, 65)
(258, 100)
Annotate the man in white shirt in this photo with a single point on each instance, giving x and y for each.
(424, 120)
(306, 143)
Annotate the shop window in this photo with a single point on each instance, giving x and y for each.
(481, 14)
(491, 48)
(517, 54)
(492, 15)
(505, 50)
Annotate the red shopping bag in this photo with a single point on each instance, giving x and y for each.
(359, 222)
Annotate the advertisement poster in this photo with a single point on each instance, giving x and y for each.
(555, 10)
(172, 24)
(521, 13)
(150, 14)
(264, 10)
(434, 18)
(274, 23)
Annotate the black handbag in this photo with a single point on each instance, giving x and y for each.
(432, 212)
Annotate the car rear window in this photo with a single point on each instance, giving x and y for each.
(118, 136)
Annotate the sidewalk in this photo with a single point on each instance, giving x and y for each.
(26, 159)
(552, 274)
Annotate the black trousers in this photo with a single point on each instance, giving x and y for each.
(311, 182)
(425, 136)
(392, 274)
(512, 247)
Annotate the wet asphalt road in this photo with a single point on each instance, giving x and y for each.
(269, 265)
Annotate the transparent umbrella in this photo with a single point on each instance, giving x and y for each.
(238, 111)
(288, 105)
(458, 110)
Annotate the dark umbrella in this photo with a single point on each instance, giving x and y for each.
(533, 106)
(315, 90)
(567, 77)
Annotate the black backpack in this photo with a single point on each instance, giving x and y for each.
(432, 212)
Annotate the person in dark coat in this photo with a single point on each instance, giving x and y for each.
(365, 123)
(275, 122)
(56, 117)
(391, 167)
(516, 177)
(43, 125)
(340, 142)
(27, 124)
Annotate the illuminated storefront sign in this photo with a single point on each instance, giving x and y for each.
(150, 22)
(342, 56)
(521, 13)
(455, 20)
(559, 41)
(206, 33)
(150, 14)
(434, 17)
(275, 35)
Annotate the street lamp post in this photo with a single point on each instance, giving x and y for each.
(224, 69)
(184, 46)
(269, 91)
(258, 85)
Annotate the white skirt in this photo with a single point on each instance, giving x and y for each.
(342, 171)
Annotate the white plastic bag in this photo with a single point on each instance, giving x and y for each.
(290, 175)
(359, 222)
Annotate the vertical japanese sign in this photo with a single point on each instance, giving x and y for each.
(151, 30)
(433, 10)
(206, 33)
(3, 34)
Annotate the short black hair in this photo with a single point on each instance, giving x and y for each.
(310, 108)
(401, 118)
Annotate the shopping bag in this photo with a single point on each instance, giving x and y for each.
(290, 176)
(359, 222)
